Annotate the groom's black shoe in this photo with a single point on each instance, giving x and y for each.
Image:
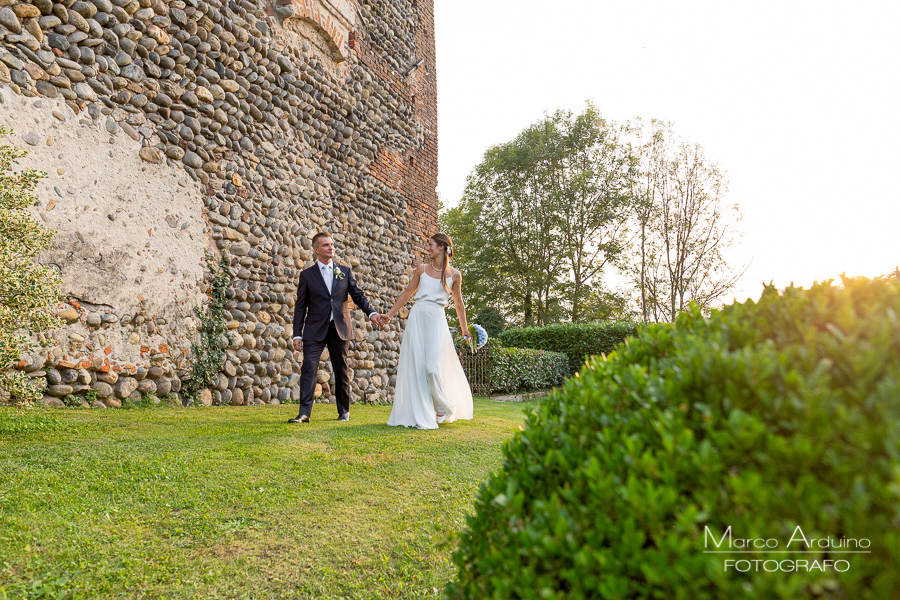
(300, 419)
(344, 417)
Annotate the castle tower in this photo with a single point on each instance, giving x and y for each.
(173, 128)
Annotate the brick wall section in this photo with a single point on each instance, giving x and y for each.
(309, 9)
(423, 195)
(415, 172)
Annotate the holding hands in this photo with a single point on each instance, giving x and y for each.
(379, 320)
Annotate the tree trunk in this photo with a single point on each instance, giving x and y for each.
(644, 271)
(576, 303)
(529, 318)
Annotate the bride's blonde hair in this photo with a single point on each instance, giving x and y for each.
(443, 240)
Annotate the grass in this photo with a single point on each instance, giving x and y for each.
(236, 503)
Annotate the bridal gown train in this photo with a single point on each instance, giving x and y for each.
(430, 378)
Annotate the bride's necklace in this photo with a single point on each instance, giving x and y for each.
(436, 270)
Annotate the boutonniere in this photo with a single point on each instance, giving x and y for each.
(338, 273)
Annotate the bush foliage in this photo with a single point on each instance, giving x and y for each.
(514, 369)
(578, 341)
(27, 289)
(763, 417)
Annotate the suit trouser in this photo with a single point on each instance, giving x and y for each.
(312, 351)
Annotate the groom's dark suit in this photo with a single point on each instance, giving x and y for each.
(312, 321)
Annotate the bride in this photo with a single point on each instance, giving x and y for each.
(431, 385)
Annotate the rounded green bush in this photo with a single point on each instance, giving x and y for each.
(764, 417)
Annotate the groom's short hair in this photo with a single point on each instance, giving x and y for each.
(319, 236)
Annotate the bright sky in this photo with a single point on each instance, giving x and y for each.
(798, 101)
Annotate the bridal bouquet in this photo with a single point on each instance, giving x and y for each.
(479, 337)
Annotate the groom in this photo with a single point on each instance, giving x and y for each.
(322, 319)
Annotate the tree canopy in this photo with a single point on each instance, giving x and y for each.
(544, 217)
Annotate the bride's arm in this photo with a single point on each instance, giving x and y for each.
(458, 303)
(407, 293)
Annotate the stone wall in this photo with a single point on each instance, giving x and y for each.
(169, 128)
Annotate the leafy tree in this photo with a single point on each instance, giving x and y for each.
(491, 319)
(643, 193)
(507, 228)
(683, 227)
(590, 172)
(601, 304)
(26, 288)
(542, 216)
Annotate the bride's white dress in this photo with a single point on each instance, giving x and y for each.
(429, 376)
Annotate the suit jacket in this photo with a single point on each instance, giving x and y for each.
(312, 312)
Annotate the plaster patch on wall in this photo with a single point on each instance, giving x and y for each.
(130, 233)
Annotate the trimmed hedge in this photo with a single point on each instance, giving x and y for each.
(578, 341)
(514, 369)
(763, 417)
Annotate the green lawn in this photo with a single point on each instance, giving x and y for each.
(235, 502)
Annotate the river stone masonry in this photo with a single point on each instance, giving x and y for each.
(173, 128)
